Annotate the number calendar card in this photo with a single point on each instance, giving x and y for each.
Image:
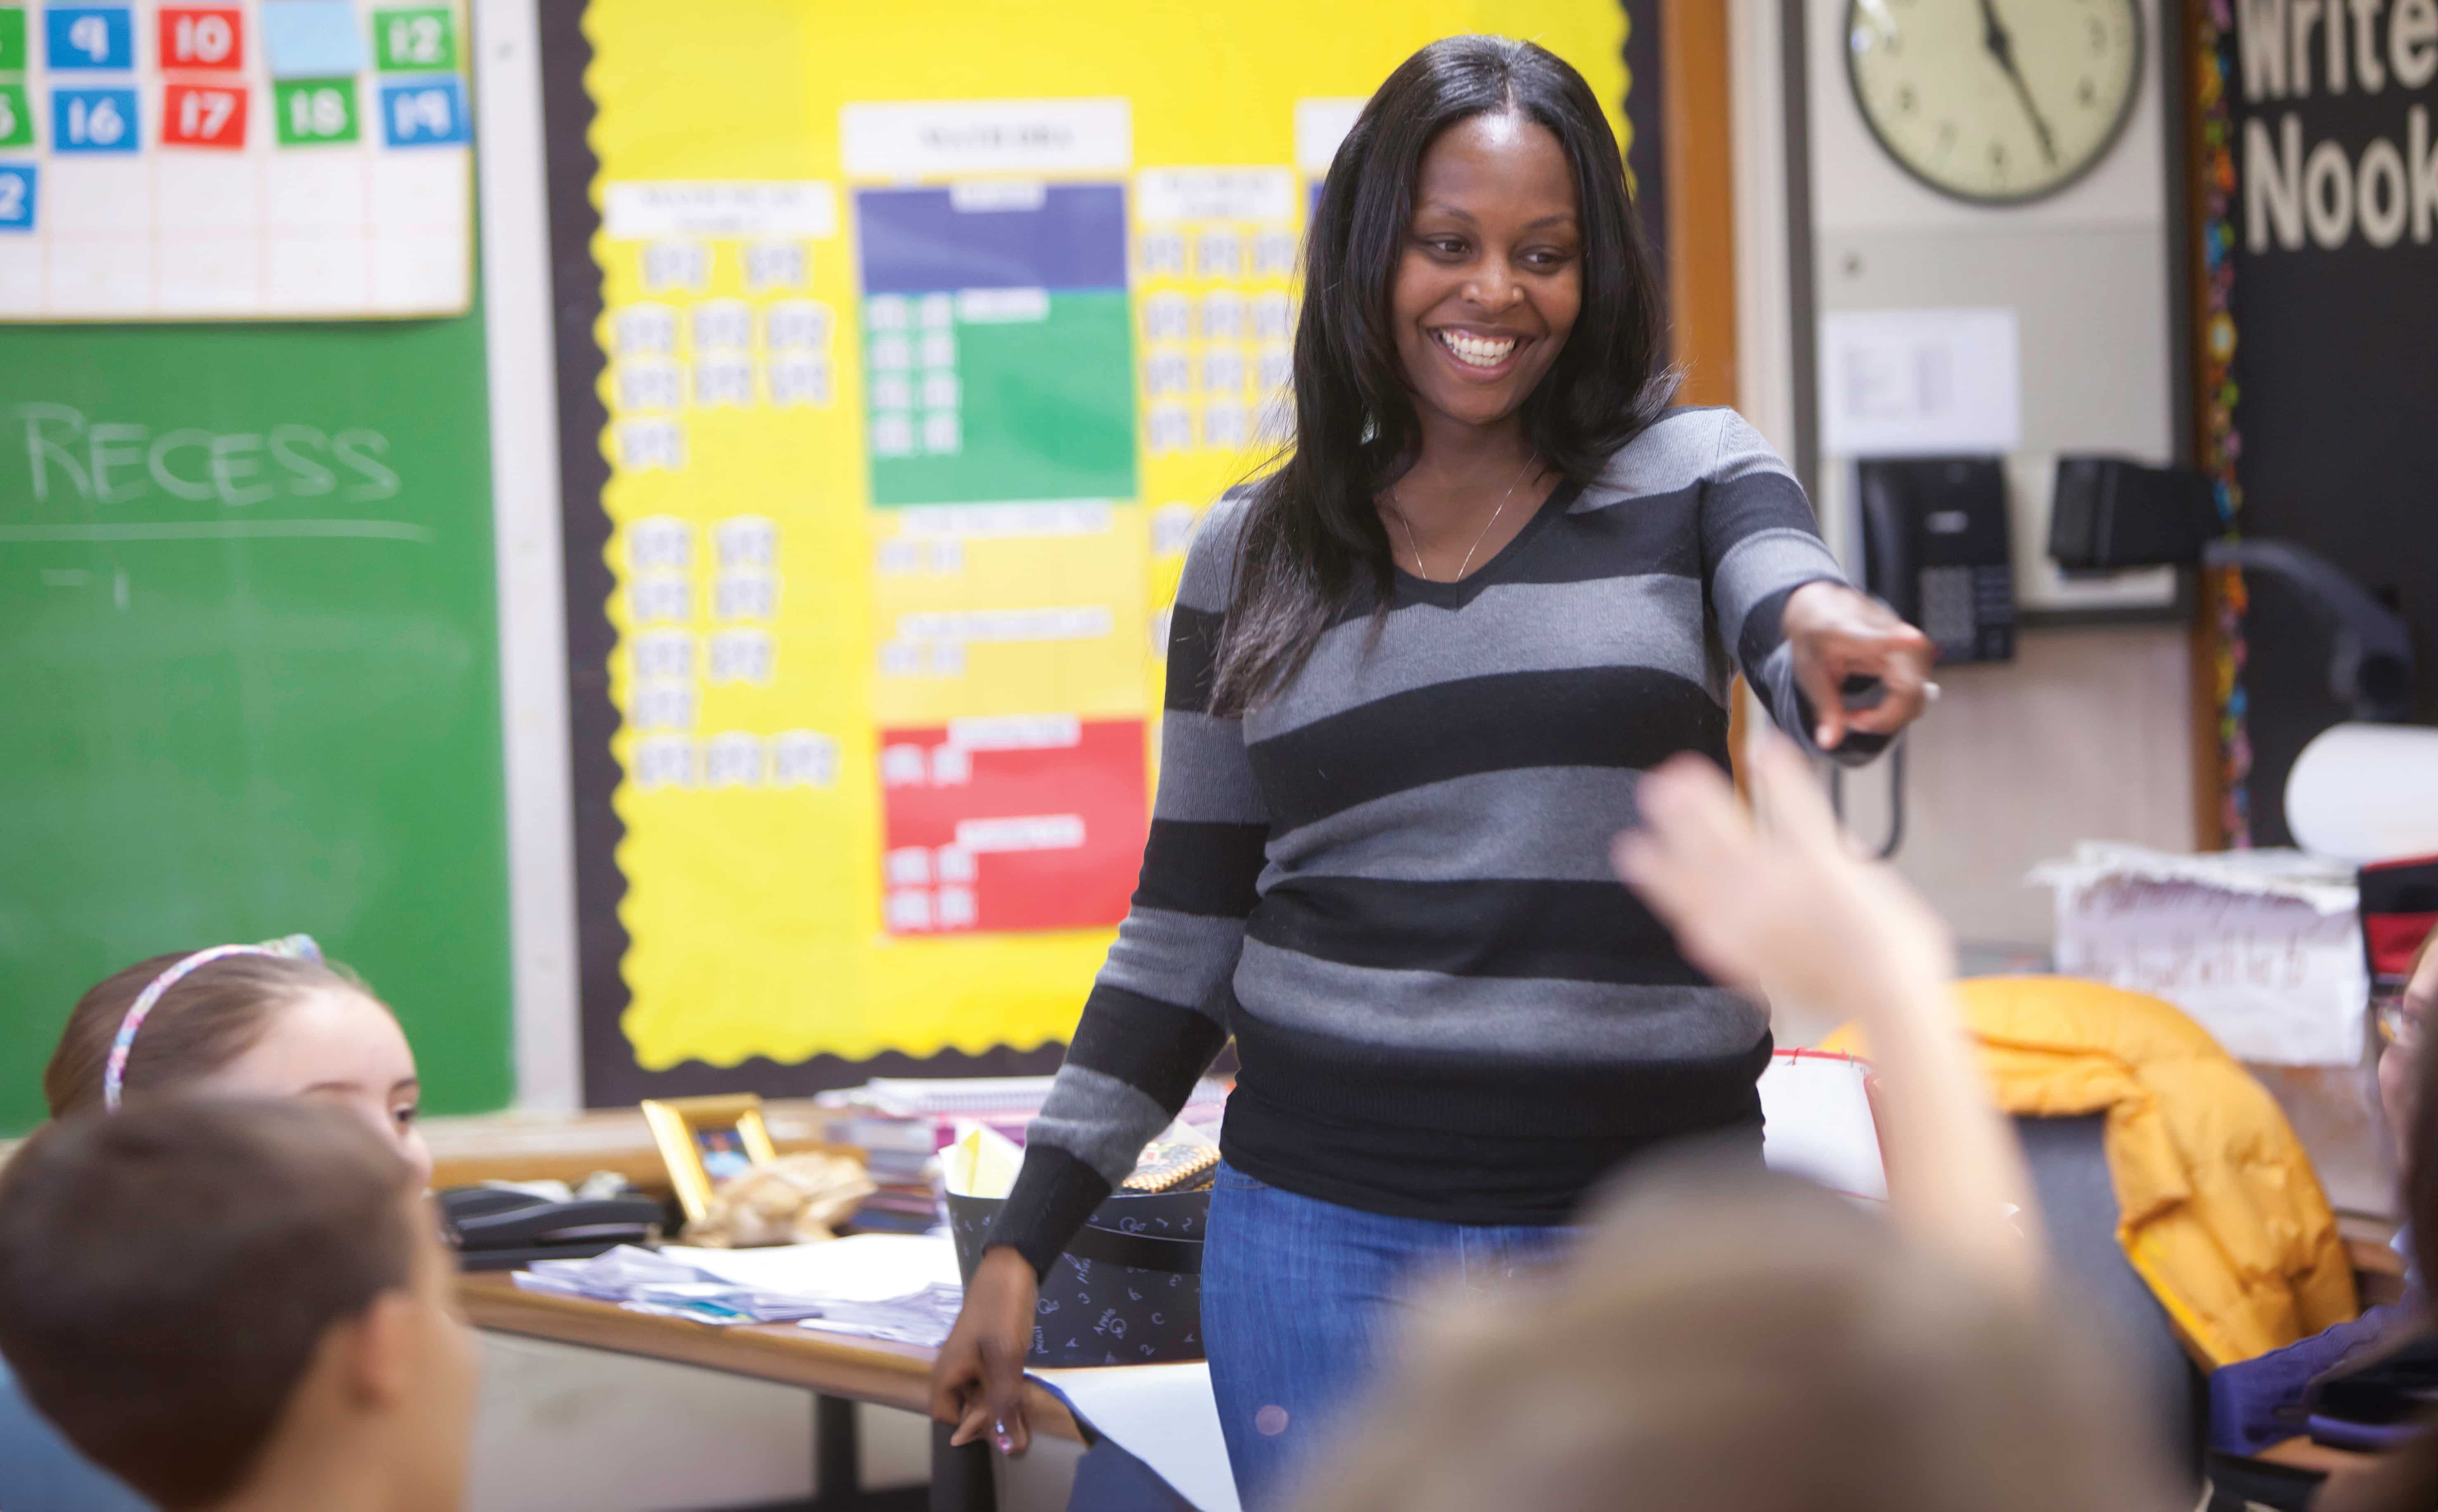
(168, 160)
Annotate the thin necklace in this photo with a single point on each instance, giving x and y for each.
(1423, 572)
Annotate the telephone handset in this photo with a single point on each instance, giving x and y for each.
(1937, 550)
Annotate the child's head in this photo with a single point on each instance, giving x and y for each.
(205, 1293)
(1722, 1341)
(259, 1023)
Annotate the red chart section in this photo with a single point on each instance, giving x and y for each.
(1032, 821)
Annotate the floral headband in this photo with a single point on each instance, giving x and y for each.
(113, 1074)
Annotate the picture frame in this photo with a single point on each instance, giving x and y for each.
(705, 1140)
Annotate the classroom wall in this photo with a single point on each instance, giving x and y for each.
(2086, 733)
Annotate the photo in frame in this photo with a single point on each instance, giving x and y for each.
(704, 1141)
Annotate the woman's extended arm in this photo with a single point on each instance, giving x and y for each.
(1785, 613)
(1154, 1020)
(1789, 910)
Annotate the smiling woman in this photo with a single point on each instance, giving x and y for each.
(1416, 673)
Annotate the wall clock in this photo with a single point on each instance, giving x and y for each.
(1995, 102)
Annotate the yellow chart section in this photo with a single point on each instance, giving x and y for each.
(930, 332)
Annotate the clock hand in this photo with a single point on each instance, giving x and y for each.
(2001, 46)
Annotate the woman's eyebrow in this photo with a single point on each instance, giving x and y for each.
(1456, 213)
(405, 1083)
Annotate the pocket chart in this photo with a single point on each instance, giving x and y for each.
(236, 159)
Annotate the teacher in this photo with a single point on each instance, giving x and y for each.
(1414, 675)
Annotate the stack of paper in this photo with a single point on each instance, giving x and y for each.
(870, 1286)
(922, 1317)
(641, 1281)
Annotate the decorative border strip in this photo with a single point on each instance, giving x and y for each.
(2222, 444)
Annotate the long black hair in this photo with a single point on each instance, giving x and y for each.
(1312, 536)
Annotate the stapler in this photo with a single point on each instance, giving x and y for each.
(497, 1228)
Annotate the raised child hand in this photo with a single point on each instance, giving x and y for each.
(1788, 909)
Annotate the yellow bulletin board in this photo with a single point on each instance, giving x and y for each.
(925, 333)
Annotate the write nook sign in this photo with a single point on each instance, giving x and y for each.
(2333, 107)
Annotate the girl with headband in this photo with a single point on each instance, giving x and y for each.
(273, 1020)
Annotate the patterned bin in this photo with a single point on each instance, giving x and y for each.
(1128, 1291)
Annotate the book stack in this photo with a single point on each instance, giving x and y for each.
(902, 1123)
(901, 1157)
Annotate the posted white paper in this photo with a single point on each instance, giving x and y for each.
(928, 139)
(1165, 195)
(1920, 382)
(1321, 125)
(784, 207)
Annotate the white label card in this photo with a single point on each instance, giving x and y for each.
(1319, 126)
(918, 139)
(781, 207)
(1164, 195)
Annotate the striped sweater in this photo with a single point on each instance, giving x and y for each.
(1389, 881)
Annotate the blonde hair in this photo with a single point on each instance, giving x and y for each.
(1747, 1343)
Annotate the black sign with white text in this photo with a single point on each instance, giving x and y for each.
(2334, 107)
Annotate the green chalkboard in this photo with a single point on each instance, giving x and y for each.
(249, 672)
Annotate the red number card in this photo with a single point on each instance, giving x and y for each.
(202, 37)
(202, 116)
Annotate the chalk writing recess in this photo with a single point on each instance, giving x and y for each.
(69, 456)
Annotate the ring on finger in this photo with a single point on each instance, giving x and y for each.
(1929, 693)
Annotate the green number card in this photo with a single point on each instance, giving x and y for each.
(16, 118)
(13, 39)
(422, 37)
(314, 110)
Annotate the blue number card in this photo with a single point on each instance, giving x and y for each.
(17, 181)
(426, 113)
(80, 36)
(94, 121)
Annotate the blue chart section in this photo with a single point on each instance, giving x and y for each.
(998, 353)
(918, 241)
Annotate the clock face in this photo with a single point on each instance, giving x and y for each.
(1996, 101)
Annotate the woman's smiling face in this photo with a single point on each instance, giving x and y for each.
(1491, 278)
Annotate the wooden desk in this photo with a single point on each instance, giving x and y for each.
(839, 1369)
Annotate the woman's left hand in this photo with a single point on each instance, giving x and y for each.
(1835, 634)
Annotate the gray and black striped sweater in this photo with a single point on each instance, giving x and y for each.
(1390, 882)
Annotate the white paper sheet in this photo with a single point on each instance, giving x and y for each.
(1820, 1124)
(1163, 1415)
(1919, 383)
(865, 1267)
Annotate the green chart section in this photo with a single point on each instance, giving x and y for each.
(998, 342)
(1022, 403)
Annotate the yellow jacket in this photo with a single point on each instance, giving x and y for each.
(2218, 1209)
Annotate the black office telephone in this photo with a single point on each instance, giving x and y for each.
(1937, 549)
(499, 1228)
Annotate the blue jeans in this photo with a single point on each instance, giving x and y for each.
(1298, 1296)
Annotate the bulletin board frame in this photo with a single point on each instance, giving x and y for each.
(611, 1073)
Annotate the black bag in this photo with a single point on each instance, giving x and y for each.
(1128, 1291)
